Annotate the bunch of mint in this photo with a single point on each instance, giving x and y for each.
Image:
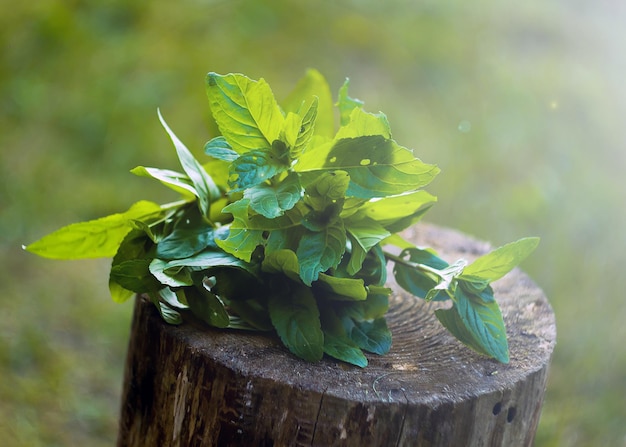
(287, 228)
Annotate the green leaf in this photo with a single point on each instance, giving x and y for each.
(365, 234)
(255, 167)
(478, 324)
(219, 148)
(372, 336)
(168, 275)
(134, 275)
(282, 261)
(274, 199)
(296, 318)
(174, 180)
(319, 251)
(190, 235)
(501, 261)
(305, 131)
(240, 241)
(377, 166)
(135, 245)
(347, 104)
(396, 213)
(311, 85)
(345, 289)
(344, 349)
(207, 306)
(98, 238)
(362, 124)
(414, 280)
(205, 187)
(245, 111)
(169, 315)
(337, 343)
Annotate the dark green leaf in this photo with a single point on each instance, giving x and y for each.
(241, 241)
(134, 275)
(478, 324)
(273, 200)
(319, 251)
(207, 306)
(296, 318)
(169, 315)
(372, 336)
(191, 235)
(415, 281)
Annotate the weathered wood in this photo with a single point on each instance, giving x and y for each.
(190, 385)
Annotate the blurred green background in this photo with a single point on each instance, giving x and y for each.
(521, 104)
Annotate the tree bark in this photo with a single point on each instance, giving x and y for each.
(191, 385)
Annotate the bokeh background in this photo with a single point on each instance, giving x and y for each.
(521, 104)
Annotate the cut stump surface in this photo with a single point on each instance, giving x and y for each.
(191, 385)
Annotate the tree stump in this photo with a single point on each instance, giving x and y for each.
(191, 385)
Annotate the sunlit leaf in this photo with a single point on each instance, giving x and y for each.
(98, 238)
(502, 260)
(312, 85)
(347, 104)
(174, 180)
(205, 187)
(245, 111)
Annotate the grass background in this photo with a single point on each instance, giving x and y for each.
(521, 105)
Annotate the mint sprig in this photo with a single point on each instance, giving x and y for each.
(286, 227)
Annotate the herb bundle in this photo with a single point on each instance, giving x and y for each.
(286, 227)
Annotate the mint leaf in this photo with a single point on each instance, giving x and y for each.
(219, 148)
(372, 336)
(362, 124)
(305, 131)
(312, 85)
(477, 324)
(501, 261)
(344, 289)
(347, 104)
(416, 281)
(207, 306)
(295, 316)
(337, 343)
(98, 238)
(255, 167)
(205, 187)
(174, 180)
(377, 166)
(396, 213)
(319, 251)
(364, 235)
(245, 111)
(272, 200)
(190, 235)
(240, 240)
(282, 261)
